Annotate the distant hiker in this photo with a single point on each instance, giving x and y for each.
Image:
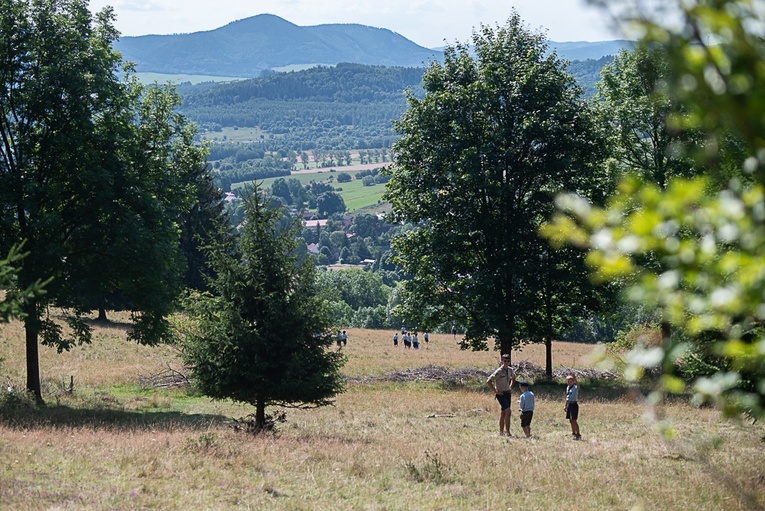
(345, 338)
(407, 340)
(395, 339)
(415, 342)
(526, 402)
(403, 330)
(339, 339)
(501, 381)
(454, 331)
(572, 405)
(425, 338)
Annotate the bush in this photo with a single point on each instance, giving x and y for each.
(645, 335)
(370, 317)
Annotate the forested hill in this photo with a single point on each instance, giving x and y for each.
(587, 72)
(321, 102)
(346, 83)
(352, 94)
(250, 46)
(328, 108)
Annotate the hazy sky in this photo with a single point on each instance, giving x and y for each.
(426, 22)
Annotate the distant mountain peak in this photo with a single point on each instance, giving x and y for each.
(248, 47)
(258, 22)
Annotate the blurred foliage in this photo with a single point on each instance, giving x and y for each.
(711, 285)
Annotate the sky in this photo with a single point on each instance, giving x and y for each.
(429, 23)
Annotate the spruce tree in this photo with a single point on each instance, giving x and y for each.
(261, 335)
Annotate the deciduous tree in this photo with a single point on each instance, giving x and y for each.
(501, 129)
(93, 174)
(633, 101)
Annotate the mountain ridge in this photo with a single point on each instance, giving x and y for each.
(249, 47)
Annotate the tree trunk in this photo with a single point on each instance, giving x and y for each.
(548, 336)
(260, 414)
(32, 331)
(505, 343)
(102, 314)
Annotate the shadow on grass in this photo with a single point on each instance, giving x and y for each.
(26, 416)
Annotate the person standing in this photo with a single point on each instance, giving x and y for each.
(425, 338)
(345, 338)
(415, 342)
(526, 402)
(501, 382)
(454, 332)
(572, 405)
(395, 339)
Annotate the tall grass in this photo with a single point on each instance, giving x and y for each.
(383, 446)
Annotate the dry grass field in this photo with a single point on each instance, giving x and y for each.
(384, 445)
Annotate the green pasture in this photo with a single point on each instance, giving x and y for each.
(354, 193)
(235, 134)
(358, 196)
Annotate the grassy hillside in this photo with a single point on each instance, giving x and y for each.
(390, 442)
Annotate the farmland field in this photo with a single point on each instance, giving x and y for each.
(390, 442)
(354, 193)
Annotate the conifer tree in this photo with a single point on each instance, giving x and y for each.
(261, 335)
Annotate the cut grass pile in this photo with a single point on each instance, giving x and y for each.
(111, 444)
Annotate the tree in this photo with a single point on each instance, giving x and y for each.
(92, 174)
(563, 293)
(148, 202)
(280, 188)
(356, 287)
(367, 225)
(204, 223)
(329, 203)
(261, 336)
(710, 245)
(632, 99)
(12, 302)
(479, 161)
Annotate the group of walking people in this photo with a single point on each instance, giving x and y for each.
(410, 340)
(501, 382)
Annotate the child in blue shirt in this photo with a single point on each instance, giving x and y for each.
(527, 408)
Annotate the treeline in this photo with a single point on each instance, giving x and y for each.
(283, 117)
(343, 83)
